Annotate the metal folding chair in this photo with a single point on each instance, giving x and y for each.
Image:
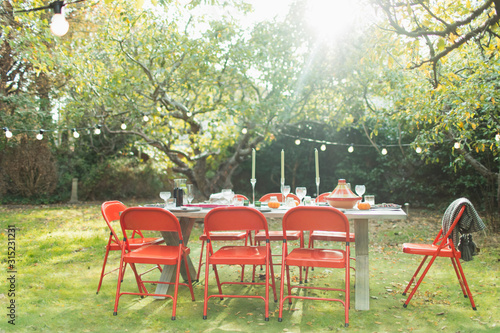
(303, 218)
(152, 219)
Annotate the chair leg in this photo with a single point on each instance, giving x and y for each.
(205, 295)
(201, 261)
(419, 280)
(414, 277)
(469, 294)
(282, 289)
(103, 268)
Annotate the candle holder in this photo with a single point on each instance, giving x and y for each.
(282, 182)
(253, 181)
(317, 187)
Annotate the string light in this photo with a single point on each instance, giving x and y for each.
(145, 118)
(323, 147)
(39, 136)
(384, 151)
(497, 137)
(76, 135)
(297, 142)
(123, 126)
(244, 130)
(58, 25)
(8, 133)
(456, 145)
(350, 149)
(97, 129)
(418, 150)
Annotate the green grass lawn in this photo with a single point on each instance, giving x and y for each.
(59, 252)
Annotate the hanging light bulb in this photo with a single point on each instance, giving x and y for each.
(350, 149)
(297, 142)
(59, 26)
(145, 118)
(76, 135)
(97, 130)
(8, 133)
(457, 145)
(123, 126)
(39, 136)
(418, 150)
(323, 147)
(497, 137)
(244, 130)
(384, 151)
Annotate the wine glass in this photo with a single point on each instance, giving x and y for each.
(165, 196)
(300, 192)
(360, 190)
(285, 190)
(189, 193)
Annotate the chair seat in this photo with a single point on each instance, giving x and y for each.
(331, 236)
(225, 236)
(241, 255)
(313, 257)
(154, 254)
(136, 243)
(428, 250)
(277, 235)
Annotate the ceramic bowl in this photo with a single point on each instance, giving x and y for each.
(346, 203)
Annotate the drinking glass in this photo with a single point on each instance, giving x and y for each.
(285, 190)
(300, 192)
(189, 193)
(360, 190)
(165, 196)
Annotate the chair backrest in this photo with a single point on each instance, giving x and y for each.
(240, 196)
(279, 196)
(235, 218)
(322, 197)
(111, 212)
(450, 229)
(149, 218)
(323, 218)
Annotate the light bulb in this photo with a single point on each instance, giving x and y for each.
(76, 135)
(497, 137)
(384, 151)
(8, 133)
(97, 131)
(244, 131)
(59, 26)
(323, 147)
(457, 145)
(145, 117)
(350, 149)
(39, 136)
(297, 142)
(123, 126)
(418, 150)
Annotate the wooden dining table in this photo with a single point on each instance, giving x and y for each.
(189, 215)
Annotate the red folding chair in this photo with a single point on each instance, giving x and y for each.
(225, 236)
(111, 212)
(327, 236)
(442, 246)
(313, 218)
(279, 196)
(153, 219)
(322, 197)
(237, 219)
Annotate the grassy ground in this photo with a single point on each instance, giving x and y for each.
(59, 252)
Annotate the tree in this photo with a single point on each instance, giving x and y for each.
(210, 96)
(447, 89)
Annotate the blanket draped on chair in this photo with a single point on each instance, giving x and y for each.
(469, 222)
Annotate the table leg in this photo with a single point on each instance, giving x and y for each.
(362, 269)
(168, 273)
